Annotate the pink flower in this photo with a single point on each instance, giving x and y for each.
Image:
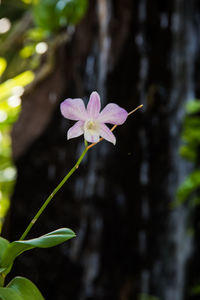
(90, 121)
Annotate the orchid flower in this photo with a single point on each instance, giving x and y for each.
(90, 121)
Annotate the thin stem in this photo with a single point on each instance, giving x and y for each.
(132, 111)
(33, 221)
(52, 195)
(101, 139)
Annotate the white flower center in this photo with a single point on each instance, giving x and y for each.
(91, 126)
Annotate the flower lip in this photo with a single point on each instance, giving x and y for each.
(91, 125)
(90, 121)
(91, 131)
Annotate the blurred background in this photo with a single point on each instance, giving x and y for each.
(134, 206)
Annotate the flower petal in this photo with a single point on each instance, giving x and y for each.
(113, 114)
(73, 109)
(91, 137)
(76, 130)
(94, 105)
(107, 134)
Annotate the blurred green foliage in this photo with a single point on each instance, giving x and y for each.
(195, 290)
(189, 190)
(3, 64)
(31, 27)
(10, 92)
(189, 187)
(190, 151)
(62, 12)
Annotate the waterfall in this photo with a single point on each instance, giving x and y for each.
(169, 272)
(104, 15)
(166, 272)
(143, 75)
(91, 185)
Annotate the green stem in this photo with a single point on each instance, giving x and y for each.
(53, 194)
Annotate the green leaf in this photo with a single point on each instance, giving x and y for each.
(3, 247)
(48, 240)
(9, 294)
(20, 289)
(25, 288)
(2, 270)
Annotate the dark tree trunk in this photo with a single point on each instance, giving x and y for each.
(129, 242)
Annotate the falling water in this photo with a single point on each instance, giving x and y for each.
(169, 269)
(171, 282)
(104, 14)
(95, 77)
(143, 75)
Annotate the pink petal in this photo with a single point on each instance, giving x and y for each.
(73, 109)
(94, 105)
(113, 114)
(75, 130)
(107, 134)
